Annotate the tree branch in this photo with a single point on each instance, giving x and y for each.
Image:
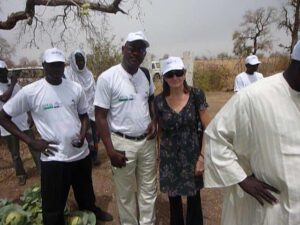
(29, 11)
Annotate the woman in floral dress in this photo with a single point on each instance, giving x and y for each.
(180, 152)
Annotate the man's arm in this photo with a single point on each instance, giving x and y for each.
(223, 150)
(37, 145)
(117, 159)
(236, 87)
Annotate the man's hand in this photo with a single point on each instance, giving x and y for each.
(199, 166)
(14, 78)
(259, 190)
(151, 130)
(43, 147)
(78, 141)
(118, 158)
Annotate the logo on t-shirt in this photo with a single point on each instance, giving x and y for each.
(126, 98)
(51, 105)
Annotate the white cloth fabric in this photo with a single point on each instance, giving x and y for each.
(257, 132)
(136, 181)
(20, 120)
(83, 77)
(54, 109)
(243, 80)
(126, 97)
(2, 64)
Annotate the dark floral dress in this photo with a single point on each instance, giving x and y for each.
(179, 145)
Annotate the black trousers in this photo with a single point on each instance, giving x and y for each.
(56, 180)
(194, 214)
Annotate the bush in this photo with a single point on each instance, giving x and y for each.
(212, 77)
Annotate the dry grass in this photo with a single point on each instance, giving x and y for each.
(219, 74)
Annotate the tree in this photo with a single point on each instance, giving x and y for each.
(254, 34)
(290, 21)
(75, 16)
(104, 55)
(223, 55)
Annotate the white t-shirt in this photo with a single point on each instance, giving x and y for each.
(54, 109)
(20, 120)
(244, 79)
(126, 97)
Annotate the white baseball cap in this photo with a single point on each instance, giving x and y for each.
(171, 63)
(252, 60)
(2, 64)
(53, 55)
(137, 36)
(296, 51)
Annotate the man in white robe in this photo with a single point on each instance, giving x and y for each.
(253, 149)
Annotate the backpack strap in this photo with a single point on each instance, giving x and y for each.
(146, 72)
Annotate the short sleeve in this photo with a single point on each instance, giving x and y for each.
(200, 99)
(17, 105)
(237, 85)
(151, 87)
(82, 106)
(102, 93)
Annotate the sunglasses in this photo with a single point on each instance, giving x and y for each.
(177, 73)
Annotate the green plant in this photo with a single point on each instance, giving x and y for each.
(29, 212)
(14, 214)
(80, 218)
(32, 202)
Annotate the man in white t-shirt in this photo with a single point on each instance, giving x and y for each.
(250, 76)
(9, 88)
(123, 104)
(59, 111)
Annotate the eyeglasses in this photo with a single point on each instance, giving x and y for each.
(177, 73)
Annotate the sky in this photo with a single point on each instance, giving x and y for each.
(204, 27)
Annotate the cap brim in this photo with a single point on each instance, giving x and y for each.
(54, 60)
(144, 41)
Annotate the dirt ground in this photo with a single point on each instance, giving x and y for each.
(104, 190)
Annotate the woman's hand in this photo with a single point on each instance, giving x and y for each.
(199, 166)
(151, 130)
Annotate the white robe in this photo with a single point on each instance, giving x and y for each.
(83, 77)
(257, 132)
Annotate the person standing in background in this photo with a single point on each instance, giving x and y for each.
(8, 89)
(250, 76)
(78, 72)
